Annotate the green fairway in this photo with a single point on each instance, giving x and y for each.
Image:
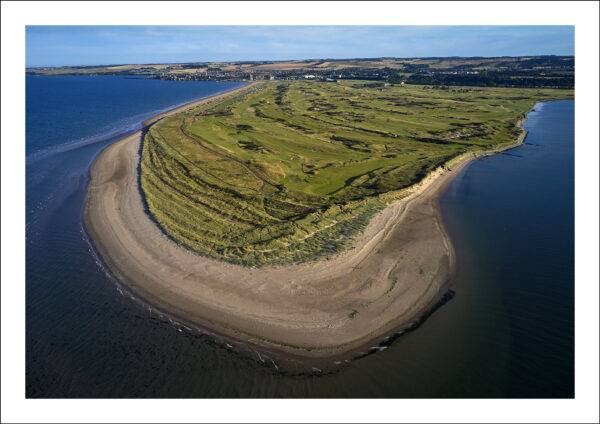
(290, 172)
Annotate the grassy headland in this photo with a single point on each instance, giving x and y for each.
(290, 172)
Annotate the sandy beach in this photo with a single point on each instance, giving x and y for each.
(396, 271)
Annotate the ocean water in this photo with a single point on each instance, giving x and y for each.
(508, 331)
(66, 112)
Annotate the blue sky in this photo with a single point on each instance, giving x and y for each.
(101, 45)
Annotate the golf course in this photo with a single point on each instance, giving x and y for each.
(291, 172)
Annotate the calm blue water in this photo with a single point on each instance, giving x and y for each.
(508, 332)
(511, 219)
(64, 112)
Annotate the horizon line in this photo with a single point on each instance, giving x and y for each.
(297, 60)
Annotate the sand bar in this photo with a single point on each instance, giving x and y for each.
(395, 272)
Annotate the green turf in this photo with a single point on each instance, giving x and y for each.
(290, 172)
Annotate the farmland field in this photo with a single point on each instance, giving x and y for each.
(291, 172)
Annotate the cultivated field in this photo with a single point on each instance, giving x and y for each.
(290, 172)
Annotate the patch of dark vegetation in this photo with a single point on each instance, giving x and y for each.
(293, 126)
(415, 104)
(244, 127)
(395, 112)
(226, 112)
(251, 145)
(281, 209)
(349, 116)
(259, 113)
(431, 140)
(318, 105)
(281, 91)
(357, 145)
(359, 105)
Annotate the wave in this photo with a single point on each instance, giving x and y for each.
(116, 130)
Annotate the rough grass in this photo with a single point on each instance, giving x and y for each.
(290, 172)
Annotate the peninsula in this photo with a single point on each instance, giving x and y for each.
(297, 216)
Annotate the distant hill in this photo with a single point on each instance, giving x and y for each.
(524, 71)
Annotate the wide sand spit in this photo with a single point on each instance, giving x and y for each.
(395, 272)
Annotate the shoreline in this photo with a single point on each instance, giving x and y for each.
(118, 134)
(397, 271)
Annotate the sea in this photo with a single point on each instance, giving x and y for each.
(508, 332)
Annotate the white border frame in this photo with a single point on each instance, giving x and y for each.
(584, 15)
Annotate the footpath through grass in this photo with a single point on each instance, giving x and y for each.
(290, 172)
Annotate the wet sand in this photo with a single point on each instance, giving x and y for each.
(396, 271)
